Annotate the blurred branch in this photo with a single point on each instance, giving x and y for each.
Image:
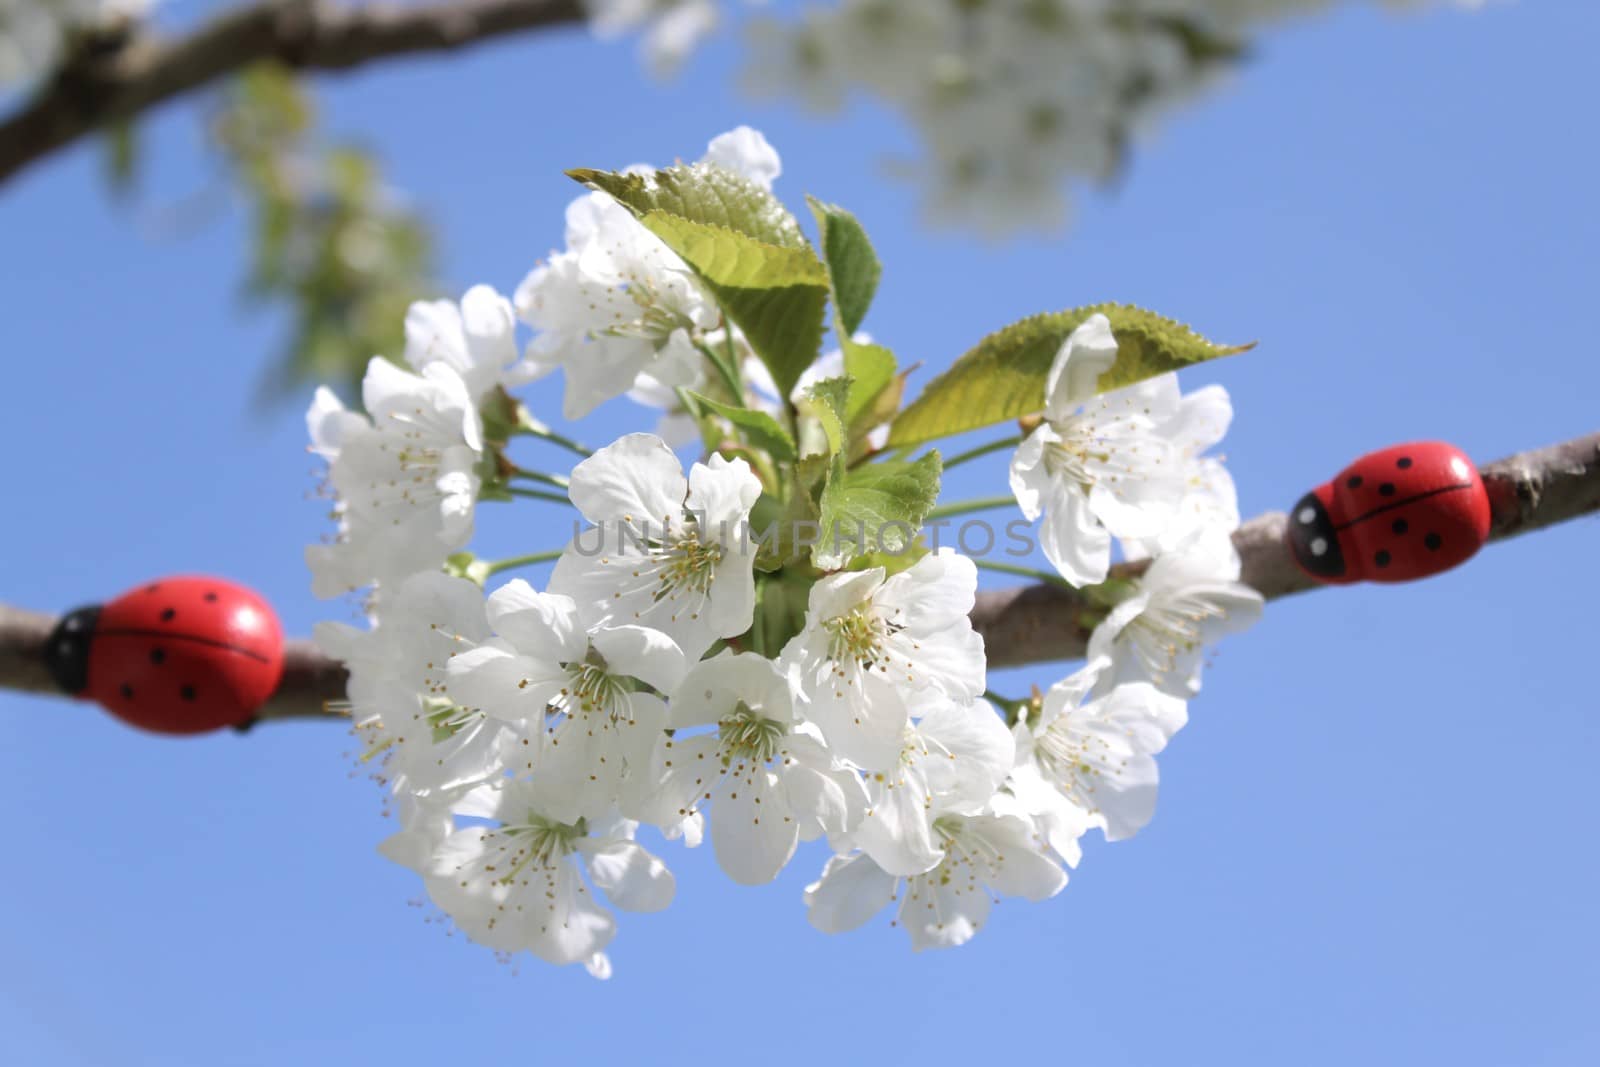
(333, 244)
(1033, 624)
(100, 88)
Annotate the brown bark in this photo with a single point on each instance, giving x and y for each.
(114, 83)
(1032, 624)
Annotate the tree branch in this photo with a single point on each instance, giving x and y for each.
(110, 85)
(1526, 492)
(1034, 624)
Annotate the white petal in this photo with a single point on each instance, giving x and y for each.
(825, 798)
(575, 928)
(746, 152)
(639, 652)
(504, 684)
(971, 752)
(1073, 539)
(635, 481)
(1030, 482)
(1025, 872)
(937, 591)
(633, 879)
(941, 913)
(862, 716)
(542, 625)
(897, 831)
(1088, 352)
(712, 687)
(752, 830)
(852, 890)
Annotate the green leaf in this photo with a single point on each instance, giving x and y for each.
(747, 249)
(122, 154)
(760, 429)
(879, 507)
(853, 266)
(702, 193)
(871, 370)
(830, 401)
(792, 526)
(1004, 377)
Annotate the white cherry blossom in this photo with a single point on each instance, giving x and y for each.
(1186, 601)
(519, 885)
(425, 821)
(616, 304)
(476, 337)
(874, 646)
(1098, 467)
(1011, 101)
(769, 784)
(406, 481)
(946, 906)
(951, 761)
(572, 694)
(396, 692)
(618, 309)
(746, 152)
(672, 28)
(1210, 503)
(668, 552)
(1090, 762)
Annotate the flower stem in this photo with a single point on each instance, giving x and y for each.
(1010, 709)
(537, 494)
(727, 372)
(556, 480)
(966, 507)
(1024, 572)
(981, 450)
(522, 561)
(545, 433)
(687, 402)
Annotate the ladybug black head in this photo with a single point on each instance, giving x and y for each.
(1313, 540)
(66, 653)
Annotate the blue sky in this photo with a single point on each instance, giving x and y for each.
(1373, 838)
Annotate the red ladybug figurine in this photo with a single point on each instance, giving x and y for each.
(1391, 516)
(181, 655)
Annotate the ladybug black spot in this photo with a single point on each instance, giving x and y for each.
(169, 614)
(152, 588)
(1353, 482)
(158, 656)
(1386, 489)
(211, 598)
(1404, 462)
(127, 691)
(187, 692)
(1381, 559)
(1399, 526)
(1433, 541)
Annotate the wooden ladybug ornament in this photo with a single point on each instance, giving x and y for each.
(1394, 515)
(180, 655)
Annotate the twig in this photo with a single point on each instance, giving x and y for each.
(1526, 492)
(1033, 624)
(117, 84)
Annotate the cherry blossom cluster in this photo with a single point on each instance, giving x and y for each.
(1010, 99)
(34, 34)
(663, 679)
